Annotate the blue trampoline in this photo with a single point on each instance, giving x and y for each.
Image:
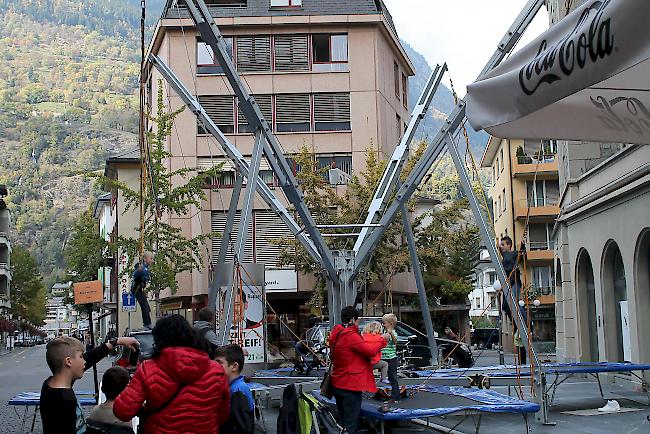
(33, 399)
(561, 371)
(434, 401)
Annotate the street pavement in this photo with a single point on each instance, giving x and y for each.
(24, 370)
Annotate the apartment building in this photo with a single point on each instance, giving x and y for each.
(483, 298)
(329, 75)
(525, 195)
(5, 254)
(602, 246)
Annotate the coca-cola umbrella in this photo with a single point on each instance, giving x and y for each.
(587, 77)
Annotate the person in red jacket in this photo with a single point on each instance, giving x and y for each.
(179, 389)
(351, 368)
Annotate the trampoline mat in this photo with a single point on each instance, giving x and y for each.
(552, 368)
(34, 398)
(288, 372)
(431, 401)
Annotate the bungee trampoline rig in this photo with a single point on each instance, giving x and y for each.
(342, 267)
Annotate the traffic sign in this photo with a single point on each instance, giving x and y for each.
(128, 302)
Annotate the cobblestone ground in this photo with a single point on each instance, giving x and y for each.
(24, 370)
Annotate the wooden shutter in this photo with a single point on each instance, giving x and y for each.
(218, 225)
(220, 109)
(253, 53)
(269, 228)
(291, 53)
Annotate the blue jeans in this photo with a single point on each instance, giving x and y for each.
(392, 378)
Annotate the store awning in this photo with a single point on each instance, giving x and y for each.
(586, 78)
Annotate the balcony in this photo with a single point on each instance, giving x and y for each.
(540, 208)
(540, 250)
(4, 239)
(529, 166)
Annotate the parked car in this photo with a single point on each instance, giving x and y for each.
(128, 358)
(485, 337)
(411, 343)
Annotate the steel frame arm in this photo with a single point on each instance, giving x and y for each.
(394, 167)
(241, 165)
(211, 35)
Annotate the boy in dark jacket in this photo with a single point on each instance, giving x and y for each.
(241, 420)
(60, 410)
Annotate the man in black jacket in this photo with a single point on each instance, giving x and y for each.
(510, 260)
(60, 410)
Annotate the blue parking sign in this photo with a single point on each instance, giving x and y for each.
(128, 302)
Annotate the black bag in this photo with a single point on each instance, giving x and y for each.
(326, 387)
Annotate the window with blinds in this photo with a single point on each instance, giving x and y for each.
(205, 59)
(218, 225)
(335, 161)
(292, 112)
(220, 109)
(253, 53)
(332, 111)
(291, 52)
(265, 104)
(270, 235)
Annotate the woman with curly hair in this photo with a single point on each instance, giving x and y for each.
(179, 389)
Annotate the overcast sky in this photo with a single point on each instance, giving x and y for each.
(463, 33)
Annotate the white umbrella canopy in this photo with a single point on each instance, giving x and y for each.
(586, 78)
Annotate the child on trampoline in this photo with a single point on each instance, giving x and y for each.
(372, 333)
(389, 354)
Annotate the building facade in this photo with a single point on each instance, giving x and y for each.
(525, 195)
(483, 298)
(331, 76)
(602, 247)
(5, 254)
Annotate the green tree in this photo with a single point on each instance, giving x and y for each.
(84, 249)
(28, 294)
(175, 253)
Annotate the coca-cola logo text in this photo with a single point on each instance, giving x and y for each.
(623, 114)
(590, 40)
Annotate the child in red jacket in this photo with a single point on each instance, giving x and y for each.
(372, 332)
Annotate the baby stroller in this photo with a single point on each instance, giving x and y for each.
(308, 359)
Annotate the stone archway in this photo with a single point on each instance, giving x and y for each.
(642, 285)
(614, 292)
(587, 319)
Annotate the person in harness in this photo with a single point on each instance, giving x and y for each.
(139, 281)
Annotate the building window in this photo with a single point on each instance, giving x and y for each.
(494, 175)
(405, 91)
(396, 78)
(205, 60)
(291, 52)
(285, 3)
(504, 200)
(253, 53)
(500, 210)
(292, 113)
(332, 111)
(543, 279)
(478, 302)
(227, 3)
(498, 166)
(398, 126)
(329, 52)
(265, 104)
(502, 161)
(543, 193)
(334, 161)
(220, 108)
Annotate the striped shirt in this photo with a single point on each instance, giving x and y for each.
(390, 351)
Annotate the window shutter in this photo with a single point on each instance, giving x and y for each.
(218, 225)
(264, 102)
(293, 112)
(220, 110)
(332, 111)
(269, 228)
(253, 53)
(291, 53)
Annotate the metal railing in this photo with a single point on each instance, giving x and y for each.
(538, 202)
(544, 158)
(541, 245)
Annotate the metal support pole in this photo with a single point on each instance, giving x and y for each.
(218, 279)
(419, 283)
